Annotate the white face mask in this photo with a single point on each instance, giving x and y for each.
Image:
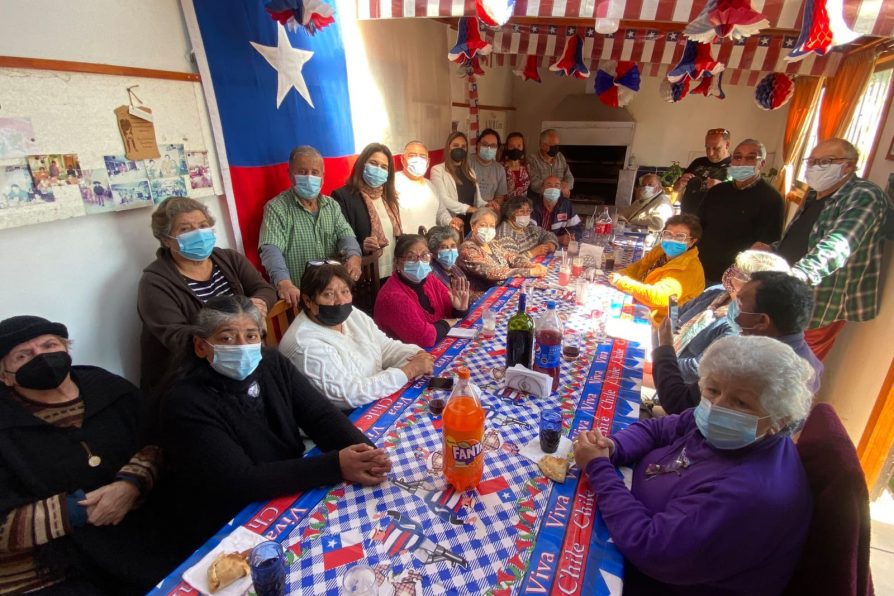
(486, 235)
(823, 179)
(522, 220)
(648, 192)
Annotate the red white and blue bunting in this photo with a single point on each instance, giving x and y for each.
(571, 64)
(774, 91)
(617, 82)
(310, 15)
(822, 27)
(725, 18)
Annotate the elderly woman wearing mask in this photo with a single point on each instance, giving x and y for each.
(232, 424)
(651, 208)
(488, 261)
(443, 243)
(75, 473)
(188, 271)
(413, 306)
(704, 478)
(340, 349)
(527, 235)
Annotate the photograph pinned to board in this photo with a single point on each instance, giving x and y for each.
(137, 128)
(122, 170)
(95, 192)
(54, 169)
(131, 195)
(171, 163)
(199, 171)
(17, 138)
(22, 203)
(163, 188)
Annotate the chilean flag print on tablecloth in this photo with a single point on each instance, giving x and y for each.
(271, 90)
(342, 549)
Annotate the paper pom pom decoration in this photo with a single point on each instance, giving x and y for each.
(531, 70)
(494, 13)
(822, 26)
(673, 92)
(774, 91)
(695, 63)
(616, 82)
(468, 42)
(725, 18)
(311, 15)
(571, 63)
(710, 85)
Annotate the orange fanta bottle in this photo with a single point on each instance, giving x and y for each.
(463, 427)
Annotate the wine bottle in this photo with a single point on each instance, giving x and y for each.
(520, 337)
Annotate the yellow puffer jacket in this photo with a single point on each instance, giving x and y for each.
(682, 276)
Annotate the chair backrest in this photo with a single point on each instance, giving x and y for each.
(278, 320)
(836, 556)
(367, 287)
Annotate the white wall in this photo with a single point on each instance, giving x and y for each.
(84, 271)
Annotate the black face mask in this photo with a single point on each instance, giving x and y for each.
(553, 151)
(514, 154)
(334, 314)
(457, 154)
(45, 371)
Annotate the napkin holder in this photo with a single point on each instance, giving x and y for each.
(530, 381)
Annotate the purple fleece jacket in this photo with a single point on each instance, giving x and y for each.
(733, 522)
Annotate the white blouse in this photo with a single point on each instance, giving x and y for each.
(351, 368)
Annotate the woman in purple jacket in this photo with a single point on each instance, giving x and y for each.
(719, 503)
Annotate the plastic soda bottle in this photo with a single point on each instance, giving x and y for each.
(463, 430)
(548, 336)
(603, 228)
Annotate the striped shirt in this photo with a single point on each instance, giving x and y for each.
(844, 253)
(216, 285)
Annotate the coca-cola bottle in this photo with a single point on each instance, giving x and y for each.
(603, 228)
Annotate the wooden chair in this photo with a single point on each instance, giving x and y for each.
(278, 320)
(367, 287)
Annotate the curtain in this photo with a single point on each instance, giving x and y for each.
(842, 90)
(797, 128)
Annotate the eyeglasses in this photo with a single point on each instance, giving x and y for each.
(423, 258)
(671, 236)
(321, 263)
(823, 162)
(744, 312)
(717, 131)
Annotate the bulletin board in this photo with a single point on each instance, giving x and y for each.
(71, 116)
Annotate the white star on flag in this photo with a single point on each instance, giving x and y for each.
(288, 62)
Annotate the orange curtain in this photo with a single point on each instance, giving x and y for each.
(843, 92)
(797, 128)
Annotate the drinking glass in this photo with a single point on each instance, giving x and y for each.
(550, 429)
(488, 323)
(359, 580)
(268, 569)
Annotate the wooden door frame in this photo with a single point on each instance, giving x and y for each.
(878, 436)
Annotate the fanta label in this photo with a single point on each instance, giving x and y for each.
(464, 452)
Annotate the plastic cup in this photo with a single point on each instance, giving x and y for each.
(359, 580)
(268, 569)
(488, 323)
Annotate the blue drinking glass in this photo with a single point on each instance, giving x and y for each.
(268, 569)
(550, 429)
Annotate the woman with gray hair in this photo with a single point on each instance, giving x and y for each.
(232, 421)
(488, 261)
(443, 243)
(704, 480)
(187, 272)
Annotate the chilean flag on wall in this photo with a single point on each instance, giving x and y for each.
(271, 90)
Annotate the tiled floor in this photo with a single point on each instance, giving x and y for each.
(881, 557)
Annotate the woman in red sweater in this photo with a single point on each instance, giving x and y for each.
(413, 306)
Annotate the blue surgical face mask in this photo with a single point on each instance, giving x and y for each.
(417, 166)
(741, 173)
(732, 313)
(487, 153)
(236, 362)
(724, 428)
(417, 272)
(447, 257)
(673, 249)
(552, 194)
(196, 245)
(374, 176)
(307, 185)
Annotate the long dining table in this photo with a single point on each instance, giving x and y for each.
(517, 532)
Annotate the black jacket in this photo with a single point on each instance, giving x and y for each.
(674, 394)
(354, 209)
(229, 443)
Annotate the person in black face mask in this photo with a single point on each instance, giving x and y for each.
(340, 349)
(455, 181)
(547, 162)
(518, 179)
(74, 469)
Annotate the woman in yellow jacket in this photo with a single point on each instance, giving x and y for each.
(670, 269)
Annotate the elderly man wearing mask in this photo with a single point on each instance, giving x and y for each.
(419, 204)
(651, 208)
(836, 242)
(549, 161)
(703, 479)
(704, 172)
(736, 214)
(301, 224)
(555, 213)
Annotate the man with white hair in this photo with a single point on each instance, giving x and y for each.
(549, 161)
(418, 199)
(836, 241)
(650, 207)
(736, 214)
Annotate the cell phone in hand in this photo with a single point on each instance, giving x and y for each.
(444, 383)
(673, 312)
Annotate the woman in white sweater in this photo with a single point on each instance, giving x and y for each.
(455, 181)
(340, 349)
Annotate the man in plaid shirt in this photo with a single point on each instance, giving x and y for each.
(835, 242)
